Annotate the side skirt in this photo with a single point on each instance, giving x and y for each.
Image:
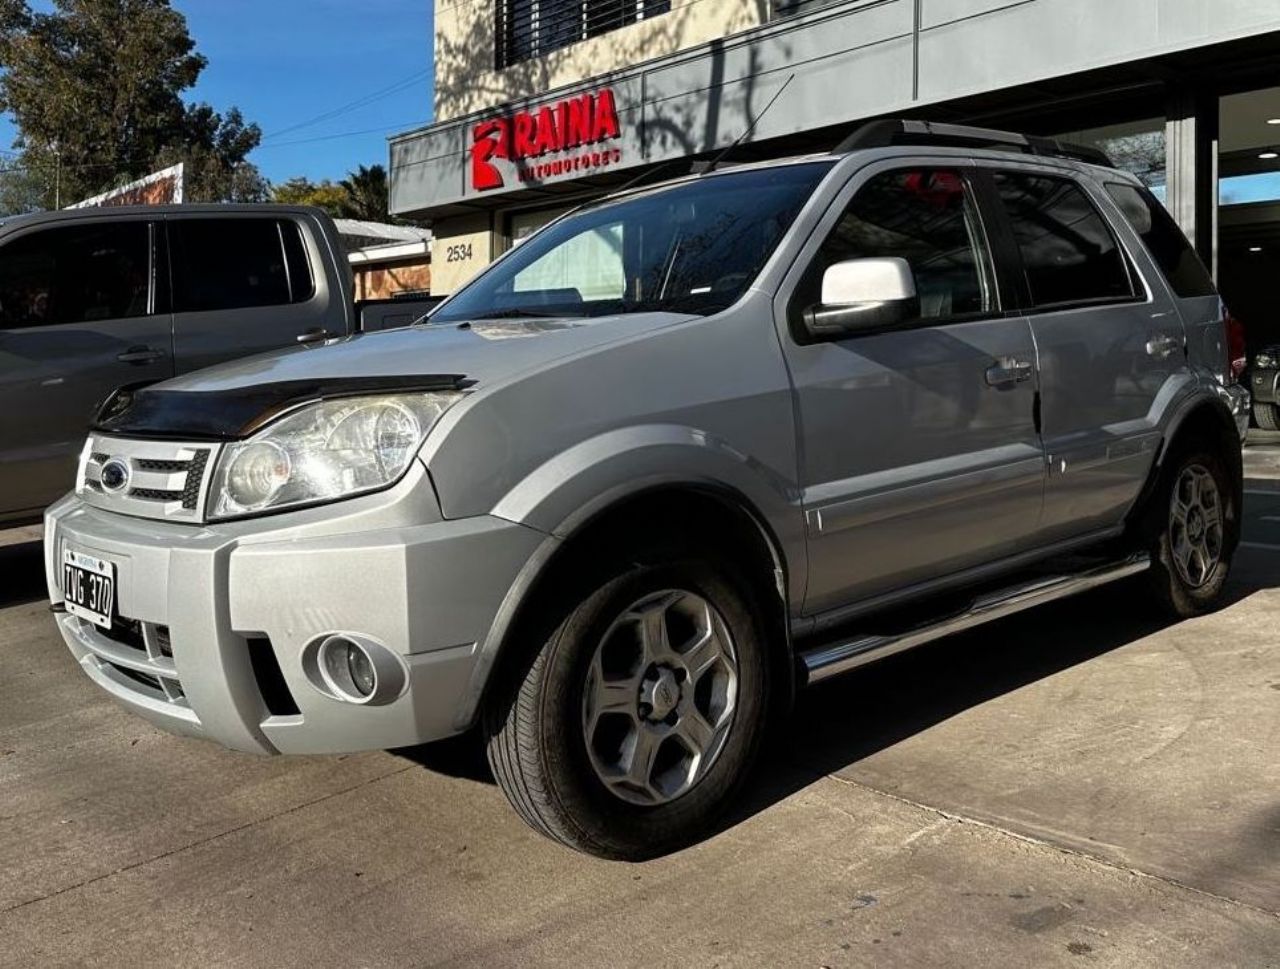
(844, 653)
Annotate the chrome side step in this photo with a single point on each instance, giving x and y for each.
(833, 658)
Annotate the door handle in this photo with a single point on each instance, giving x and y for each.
(1163, 345)
(140, 355)
(1009, 370)
(316, 335)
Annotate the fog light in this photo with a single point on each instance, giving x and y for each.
(355, 669)
(361, 670)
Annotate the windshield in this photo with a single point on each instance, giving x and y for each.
(691, 248)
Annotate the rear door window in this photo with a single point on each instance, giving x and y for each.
(227, 264)
(1186, 274)
(76, 274)
(1069, 254)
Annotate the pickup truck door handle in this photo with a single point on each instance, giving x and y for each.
(316, 335)
(1163, 345)
(140, 355)
(1009, 370)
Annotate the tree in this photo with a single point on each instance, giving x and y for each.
(368, 194)
(95, 89)
(302, 191)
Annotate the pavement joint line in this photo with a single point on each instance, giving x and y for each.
(1052, 846)
(1262, 545)
(204, 841)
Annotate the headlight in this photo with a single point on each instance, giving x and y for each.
(323, 451)
(1264, 360)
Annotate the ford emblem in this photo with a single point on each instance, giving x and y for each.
(114, 475)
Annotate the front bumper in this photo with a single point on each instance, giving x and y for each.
(196, 601)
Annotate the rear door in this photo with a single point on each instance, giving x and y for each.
(78, 319)
(243, 284)
(1111, 347)
(919, 456)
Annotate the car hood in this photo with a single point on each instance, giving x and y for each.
(482, 351)
(230, 399)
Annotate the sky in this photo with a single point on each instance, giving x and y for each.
(285, 63)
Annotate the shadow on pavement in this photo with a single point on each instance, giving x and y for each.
(22, 567)
(837, 724)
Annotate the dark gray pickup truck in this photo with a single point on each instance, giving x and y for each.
(96, 299)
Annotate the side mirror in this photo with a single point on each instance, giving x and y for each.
(862, 295)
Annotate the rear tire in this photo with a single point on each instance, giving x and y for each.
(1266, 416)
(1194, 527)
(630, 729)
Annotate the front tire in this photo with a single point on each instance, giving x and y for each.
(631, 728)
(1265, 416)
(1197, 528)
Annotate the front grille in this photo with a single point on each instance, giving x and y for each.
(148, 465)
(135, 655)
(163, 479)
(127, 632)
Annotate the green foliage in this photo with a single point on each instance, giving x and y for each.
(364, 194)
(95, 89)
(302, 191)
(368, 194)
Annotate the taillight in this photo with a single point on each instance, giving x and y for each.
(1237, 354)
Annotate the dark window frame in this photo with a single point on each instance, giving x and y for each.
(989, 263)
(1010, 251)
(525, 30)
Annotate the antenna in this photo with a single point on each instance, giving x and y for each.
(701, 168)
(711, 166)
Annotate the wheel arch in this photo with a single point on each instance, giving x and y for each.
(643, 511)
(1200, 418)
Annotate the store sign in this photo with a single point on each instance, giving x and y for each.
(571, 137)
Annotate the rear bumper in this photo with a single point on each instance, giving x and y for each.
(1240, 402)
(196, 601)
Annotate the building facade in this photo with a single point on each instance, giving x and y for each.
(541, 104)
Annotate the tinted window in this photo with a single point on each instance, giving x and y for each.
(77, 274)
(927, 217)
(1170, 249)
(227, 264)
(1068, 253)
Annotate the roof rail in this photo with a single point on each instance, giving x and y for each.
(885, 133)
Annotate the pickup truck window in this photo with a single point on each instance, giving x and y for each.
(227, 264)
(692, 247)
(76, 274)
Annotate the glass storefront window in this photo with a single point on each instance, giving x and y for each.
(1138, 147)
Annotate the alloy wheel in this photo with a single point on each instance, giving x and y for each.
(1195, 525)
(660, 697)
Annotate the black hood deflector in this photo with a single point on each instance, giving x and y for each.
(235, 413)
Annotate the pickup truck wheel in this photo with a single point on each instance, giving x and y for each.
(1265, 416)
(1191, 554)
(632, 727)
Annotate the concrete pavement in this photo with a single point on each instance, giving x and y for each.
(1081, 785)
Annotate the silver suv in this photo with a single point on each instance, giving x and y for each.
(683, 452)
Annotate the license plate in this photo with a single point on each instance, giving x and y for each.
(89, 587)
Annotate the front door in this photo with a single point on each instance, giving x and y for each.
(77, 321)
(919, 456)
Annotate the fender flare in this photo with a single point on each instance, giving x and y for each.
(566, 494)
